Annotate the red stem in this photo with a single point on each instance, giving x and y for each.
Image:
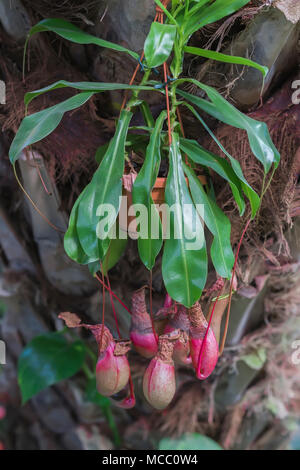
(128, 402)
(42, 181)
(103, 308)
(116, 297)
(113, 306)
(151, 309)
(231, 288)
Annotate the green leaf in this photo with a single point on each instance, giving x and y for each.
(231, 59)
(195, 8)
(105, 188)
(258, 134)
(159, 44)
(147, 115)
(175, 3)
(141, 128)
(199, 17)
(115, 250)
(137, 142)
(35, 127)
(72, 244)
(70, 32)
(217, 222)
(46, 360)
(184, 264)
(205, 158)
(141, 194)
(184, 12)
(250, 193)
(256, 360)
(100, 152)
(94, 87)
(192, 441)
(94, 267)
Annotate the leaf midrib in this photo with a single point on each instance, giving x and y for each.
(181, 241)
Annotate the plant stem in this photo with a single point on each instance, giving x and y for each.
(88, 373)
(134, 99)
(92, 355)
(112, 424)
(106, 409)
(177, 70)
(187, 4)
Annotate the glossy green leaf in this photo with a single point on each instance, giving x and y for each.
(192, 441)
(147, 115)
(94, 87)
(184, 264)
(100, 152)
(37, 126)
(105, 188)
(195, 5)
(258, 134)
(149, 247)
(217, 222)
(114, 252)
(46, 360)
(250, 193)
(72, 244)
(116, 249)
(70, 32)
(94, 267)
(231, 59)
(159, 44)
(199, 17)
(205, 158)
